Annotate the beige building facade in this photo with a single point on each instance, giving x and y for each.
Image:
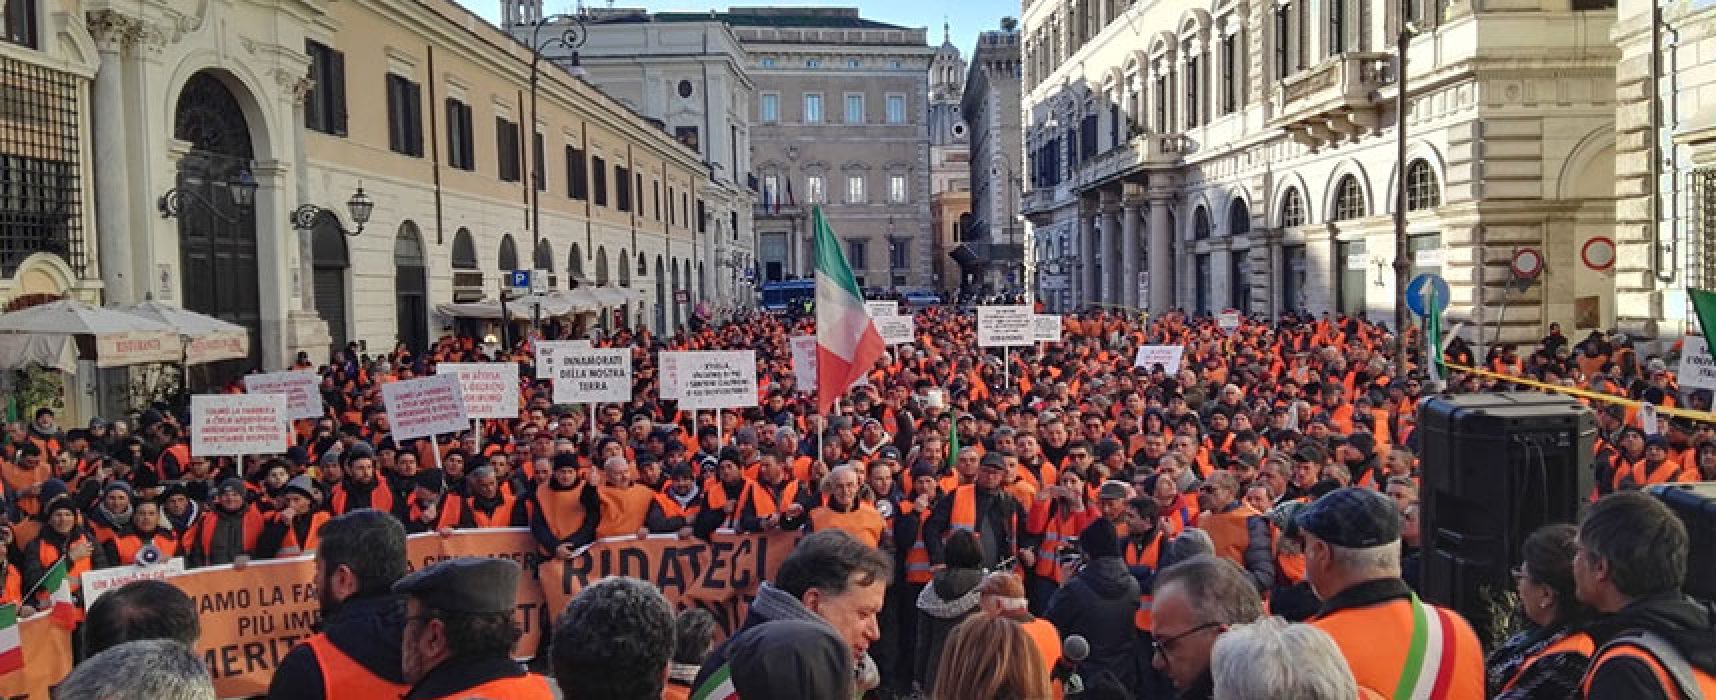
(1232, 154)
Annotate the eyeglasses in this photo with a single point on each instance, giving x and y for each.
(1165, 645)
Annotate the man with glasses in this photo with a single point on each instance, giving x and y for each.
(459, 632)
(1194, 602)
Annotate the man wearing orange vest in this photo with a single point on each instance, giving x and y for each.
(357, 654)
(1238, 532)
(1396, 644)
(292, 530)
(459, 632)
(1652, 641)
(841, 509)
(984, 507)
(565, 511)
(486, 505)
(628, 508)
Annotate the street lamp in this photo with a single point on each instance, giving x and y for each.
(1401, 265)
(360, 206)
(242, 189)
(570, 38)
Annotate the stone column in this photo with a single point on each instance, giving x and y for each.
(1092, 290)
(114, 33)
(1110, 230)
(1277, 281)
(1161, 256)
(1130, 219)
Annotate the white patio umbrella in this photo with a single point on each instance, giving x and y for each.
(615, 296)
(207, 339)
(121, 339)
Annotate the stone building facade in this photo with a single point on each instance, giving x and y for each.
(991, 108)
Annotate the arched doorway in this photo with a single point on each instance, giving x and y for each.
(660, 296)
(329, 263)
(468, 285)
(217, 233)
(411, 288)
(508, 254)
(626, 309)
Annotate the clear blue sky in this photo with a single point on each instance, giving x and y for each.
(966, 17)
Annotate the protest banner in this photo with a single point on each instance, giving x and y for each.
(250, 619)
(1004, 326)
(302, 390)
(804, 361)
(590, 375)
(1228, 320)
(424, 407)
(895, 330)
(1697, 368)
(100, 581)
(47, 659)
(667, 374)
(239, 424)
(490, 388)
(1046, 328)
(534, 617)
(716, 379)
(720, 575)
(878, 308)
(1166, 355)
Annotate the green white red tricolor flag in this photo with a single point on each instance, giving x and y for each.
(847, 343)
(58, 585)
(11, 640)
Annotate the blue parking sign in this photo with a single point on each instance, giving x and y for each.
(520, 279)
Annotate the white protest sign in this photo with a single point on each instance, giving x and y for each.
(1228, 320)
(804, 361)
(239, 424)
(424, 407)
(716, 379)
(102, 581)
(1004, 326)
(1168, 356)
(1046, 328)
(591, 375)
(667, 374)
(490, 388)
(895, 330)
(882, 307)
(1697, 368)
(303, 391)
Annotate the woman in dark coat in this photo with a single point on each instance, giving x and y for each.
(947, 600)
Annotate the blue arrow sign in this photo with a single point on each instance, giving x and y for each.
(520, 279)
(1418, 289)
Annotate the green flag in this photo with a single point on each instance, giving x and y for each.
(1704, 304)
(953, 443)
(1433, 332)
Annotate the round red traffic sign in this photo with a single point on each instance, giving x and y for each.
(1527, 263)
(1598, 253)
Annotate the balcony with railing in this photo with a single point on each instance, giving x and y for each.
(1141, 153)
(1334, 100)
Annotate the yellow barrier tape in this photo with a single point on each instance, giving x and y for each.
(1584, 393)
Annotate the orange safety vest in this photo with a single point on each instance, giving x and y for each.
(205, 528)
(917, 558)
(862, 522)
(623, 510)
(766, 504)
(1704, 683)
(291, 547)
(1228, 532)
(1047, 640)
(1377, 641)
(716, 498)
(344, 677)
(562, 511)
(526, 687)
(1669, 471)
(380, 499)
(1060, 530)
(127, 545)
(49, 554)
(964, 515)
(501, 517)
(1576, 643)
(1148, 556)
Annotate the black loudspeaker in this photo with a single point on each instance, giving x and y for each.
(1495, 467)
(1696, 506)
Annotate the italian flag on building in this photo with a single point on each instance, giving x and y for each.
(847, 343)
(58, 585)
(11, 641)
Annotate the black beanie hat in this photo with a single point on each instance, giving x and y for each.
(1099, 539)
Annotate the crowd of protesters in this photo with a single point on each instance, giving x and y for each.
(972, 512)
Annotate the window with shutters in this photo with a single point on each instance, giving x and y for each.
(404, 116)
(1229, 77)
(657, 200)
(599, 181)
(897, 189)
(577, 177)
(506, 150)
(461, 143)
(854, 189)
(622, 188)
(325, 106)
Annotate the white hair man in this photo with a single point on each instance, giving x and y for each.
(842, 509)
(148, 669)
(1272, 658)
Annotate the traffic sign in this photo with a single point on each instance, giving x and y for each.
(1418, 288)
(1598, 253)
(519, 279)
(1527, 263)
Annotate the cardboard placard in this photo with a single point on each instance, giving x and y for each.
(882, 307)
(239, 424)
(1046, 328)
(101, 581)
(1004, 326)
(303, 391)
(804, 361)
(590, 375)
(1228, 320)
(1166, 355)
(1697, 368)
(424, 407)
(490, 388)
(715, 378)
(895, 330)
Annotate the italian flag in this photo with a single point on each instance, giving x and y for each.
(11, 642)
(847, 343)
(718, 686)
(58, 586)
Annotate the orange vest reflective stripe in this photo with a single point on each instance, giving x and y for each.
(1377, 639)
(1060, 531)
(862, 522)
(1578, 642)
(526, 687)
(344, 677)
(128, 545)
(563, 511)
(964, 515)
(917, 558)
(623, 510)
(1147, 555)
(1705, 682)
(1229, 533)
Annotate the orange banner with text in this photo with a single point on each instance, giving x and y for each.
(47, 660)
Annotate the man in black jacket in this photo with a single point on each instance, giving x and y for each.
(1629, 566)
(1098, 604)
(992, 512)
(357, 649)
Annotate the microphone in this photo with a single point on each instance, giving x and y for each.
(1075, 649)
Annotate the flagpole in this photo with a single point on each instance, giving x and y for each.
(24, 599)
